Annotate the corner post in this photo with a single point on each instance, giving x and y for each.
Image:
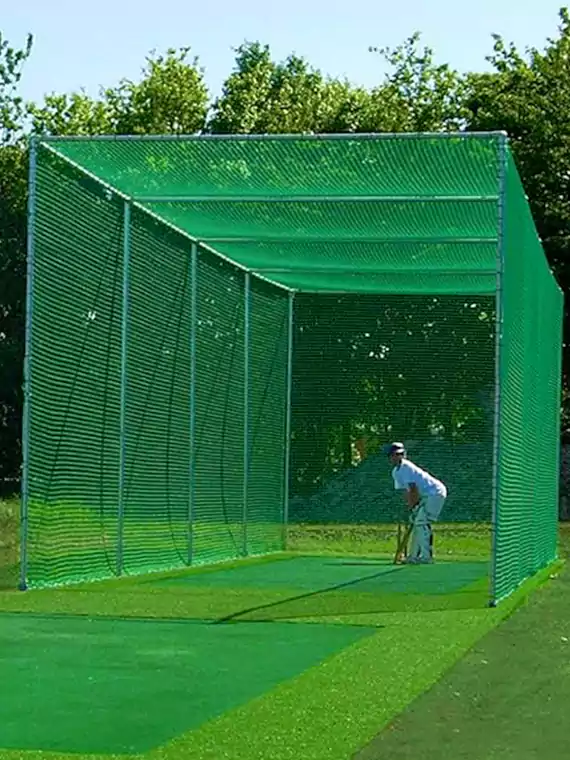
(502, 156)
(287, 473)
(28, 389)
(124, 389)
(192, 442)
(246, 410)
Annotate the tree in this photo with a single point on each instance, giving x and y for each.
(417, 95)
(74, 114)
(529, 97)
(171, 97)
(13, 177)
(261, 96)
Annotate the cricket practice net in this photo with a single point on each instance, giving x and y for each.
(223, 331)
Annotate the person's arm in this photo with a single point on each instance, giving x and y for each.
(410, 490)
(412, 495)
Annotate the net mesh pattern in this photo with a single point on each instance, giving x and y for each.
(156, 491)
(76, 349)
(530, 399)
(369, 369)
(158, 352)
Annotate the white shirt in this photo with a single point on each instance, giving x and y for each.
(408, 472)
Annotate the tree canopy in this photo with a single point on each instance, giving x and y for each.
(526, 93)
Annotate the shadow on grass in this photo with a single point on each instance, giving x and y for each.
(393, 589)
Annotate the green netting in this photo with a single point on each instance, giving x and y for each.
(388, 282)
(157, 396)
(75, 403)
(368, 255)
(368, 369)
(381, 165)
(219, 473)
(269, 333)
(528, 464)
(156, 491)
(445, 220)
(126, 493)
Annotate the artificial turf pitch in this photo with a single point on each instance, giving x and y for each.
(300, 657)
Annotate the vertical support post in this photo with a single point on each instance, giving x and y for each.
(559, 461)
(499, 320)
(192, 443)
(246, 402)
(124, 389)
(25, 501)
(287, 473)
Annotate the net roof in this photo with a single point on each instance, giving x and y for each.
(363, 213)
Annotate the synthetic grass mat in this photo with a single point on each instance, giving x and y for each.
(115, 686)
(317, 589)
(331, 711)
(356, 573)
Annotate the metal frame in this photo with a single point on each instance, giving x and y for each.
(345, 241)
(124, 380)
(28, 390)
(290, 339)
(499, 321)
(302, 137)
(246, 381)
(291, 199)
(192, 443)
(403, 272)
(50, 144)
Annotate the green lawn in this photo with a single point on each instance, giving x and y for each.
(507, 698)
(294, 657)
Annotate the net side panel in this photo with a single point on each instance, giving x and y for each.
(157, 462)
(368, 369)
(75, 387)
(530, 401)
(218, 524)
(268, 395)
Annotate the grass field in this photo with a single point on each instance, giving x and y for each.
(507, 698)
(307, 655)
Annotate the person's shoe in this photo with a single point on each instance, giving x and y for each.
(411, 561)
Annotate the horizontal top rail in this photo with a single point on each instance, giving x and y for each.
(403, 199)
(367, 271)
(348, 240)
(283, 137)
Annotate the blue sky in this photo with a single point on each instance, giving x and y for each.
(109, 39)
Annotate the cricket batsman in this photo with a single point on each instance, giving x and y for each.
(425, 496)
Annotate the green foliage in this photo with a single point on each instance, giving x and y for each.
(529, 97)
(526, 93)
(171, 98)
(13, 176)
(73, 114)
(261, 96)
(12, 61)
(418, 95)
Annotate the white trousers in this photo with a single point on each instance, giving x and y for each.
(422, 517)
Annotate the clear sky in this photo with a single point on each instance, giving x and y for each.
(86, 45)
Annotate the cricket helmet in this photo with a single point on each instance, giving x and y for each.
(395, 448)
